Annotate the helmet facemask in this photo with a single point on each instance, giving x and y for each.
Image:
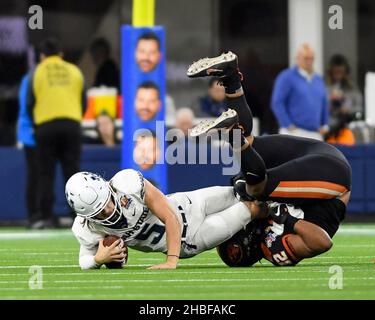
(116, 219)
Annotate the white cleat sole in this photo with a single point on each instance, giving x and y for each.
(207, 63)
(226, 118)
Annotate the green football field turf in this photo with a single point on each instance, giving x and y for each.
(202, 277)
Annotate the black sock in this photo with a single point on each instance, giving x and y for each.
(252, 166)
(245, 116)
(232, 83)
(236, 138)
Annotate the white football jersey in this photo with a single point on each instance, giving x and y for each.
(207, 217)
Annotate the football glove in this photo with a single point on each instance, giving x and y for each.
(239, 188)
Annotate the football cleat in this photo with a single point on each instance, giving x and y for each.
(220, 66)
(225, 121)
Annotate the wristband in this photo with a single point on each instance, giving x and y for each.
(290, 222)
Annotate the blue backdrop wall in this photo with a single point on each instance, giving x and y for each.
(181, 177)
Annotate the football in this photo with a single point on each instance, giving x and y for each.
(108, 240)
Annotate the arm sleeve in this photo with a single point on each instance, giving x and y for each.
(280, 95)
(88, 241)
(86, 258)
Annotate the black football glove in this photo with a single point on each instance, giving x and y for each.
(279, 214)
(239, 188)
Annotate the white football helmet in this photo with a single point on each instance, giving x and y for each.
(88, 194)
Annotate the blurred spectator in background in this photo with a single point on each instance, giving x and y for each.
(25, 137)
(170, 110)
(344, 95)
(106, 131)
(147, 52)
(147, 101)
(213, 103)
(107, 73)
(54, 102)
(299, 98)
(184, 120)
(339, 133)
(345, 101)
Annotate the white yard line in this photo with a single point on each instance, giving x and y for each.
(354, 245)
(153, 272)
(43, 266)
(357, 231)
(35, 235)
(370, 258)
(44, 259)
(129, 266)
(206, 295)
(205, 280)
(186, 280)
(60, 288)
(49, 253)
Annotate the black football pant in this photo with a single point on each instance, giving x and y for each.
(297, 169)
(58, 140)
(31, 184)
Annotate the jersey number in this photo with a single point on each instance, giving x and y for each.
(159, 230)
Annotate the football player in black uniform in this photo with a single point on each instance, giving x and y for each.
(312, 177)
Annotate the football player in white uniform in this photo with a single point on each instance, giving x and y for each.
(181, 225)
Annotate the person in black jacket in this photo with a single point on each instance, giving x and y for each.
(107, 73)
